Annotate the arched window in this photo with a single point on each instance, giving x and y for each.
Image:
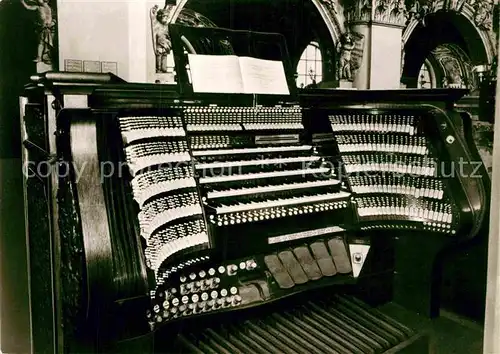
(425, 77)
(310, 66)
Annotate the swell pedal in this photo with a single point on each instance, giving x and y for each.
(278, 271)
(325, 261)
(339, 254)
(307, 262)
(293, 267)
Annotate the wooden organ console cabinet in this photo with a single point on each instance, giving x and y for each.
(163, 221)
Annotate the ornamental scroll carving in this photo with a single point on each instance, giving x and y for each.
(350, 55)
(331, 5)
(46, 23)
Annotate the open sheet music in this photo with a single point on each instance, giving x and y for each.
(233, 74)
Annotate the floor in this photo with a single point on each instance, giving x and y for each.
(450, 333)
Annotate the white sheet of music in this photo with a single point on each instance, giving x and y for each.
(232, 74)
(215, 73)
(263, 76)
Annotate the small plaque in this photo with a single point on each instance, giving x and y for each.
(73, 65)
(76, 101)
(91, 66)
(109, 67)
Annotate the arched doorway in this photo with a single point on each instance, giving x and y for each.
(447, 66)
(299, 21)
(442, 51)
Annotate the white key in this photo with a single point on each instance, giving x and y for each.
(281, 202)
(167, 216)
(130, 136)
(252, 150)
(161, 187)
(152, 160)
(270, 189)
(283, 160)
(253, 176)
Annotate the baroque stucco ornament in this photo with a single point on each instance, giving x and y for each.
(483, 10)
(331, 5)
(46, 23)
(478, 12)
(381, 11)
(419, 9)
(358, 11)
(483, 14)
(390, 11)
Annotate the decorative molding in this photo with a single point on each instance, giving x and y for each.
(478, 12)
(454, 5)
(334, 17)
(482, 10)
(331, 12)
(350, 51)
(47, 29)
(331, 5)
(419, 9)
(483, 14)
(403, 58)
(392, 12)
(358, 10)
(401, 12)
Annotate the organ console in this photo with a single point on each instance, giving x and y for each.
(213, 224)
